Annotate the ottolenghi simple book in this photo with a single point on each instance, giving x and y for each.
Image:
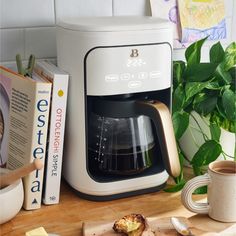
(54, 157)
(28, 124)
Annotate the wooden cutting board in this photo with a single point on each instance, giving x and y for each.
(161, 227)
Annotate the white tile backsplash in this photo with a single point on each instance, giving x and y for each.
(178, 55)
(229, 5)
(228, 31)
(76, 8)
(41, 42)
(11, 43)
(27, 26)
(233, 25)
(26, 13)
(131, 7)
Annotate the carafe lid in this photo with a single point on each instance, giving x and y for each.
(114, 23)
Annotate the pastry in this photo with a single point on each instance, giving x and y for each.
(131, 225)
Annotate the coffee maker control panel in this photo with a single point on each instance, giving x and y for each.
(128, 69)
(127, 76)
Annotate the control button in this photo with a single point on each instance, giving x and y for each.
(143, 75)
(111, 78)
(125, 76)
(134, 84)
(155, 74)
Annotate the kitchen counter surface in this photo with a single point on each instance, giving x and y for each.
(67, 217)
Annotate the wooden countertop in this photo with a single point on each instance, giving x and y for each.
(66, 218)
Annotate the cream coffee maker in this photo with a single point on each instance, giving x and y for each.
(119, 136)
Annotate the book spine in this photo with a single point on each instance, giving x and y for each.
(39, 141)
(53, 167)
(29, 113)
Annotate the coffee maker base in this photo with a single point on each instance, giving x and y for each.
(119, 195)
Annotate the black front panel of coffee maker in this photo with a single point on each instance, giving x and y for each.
(94, 168)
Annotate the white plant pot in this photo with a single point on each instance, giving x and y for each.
(192, 139)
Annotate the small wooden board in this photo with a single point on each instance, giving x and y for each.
(161, 227)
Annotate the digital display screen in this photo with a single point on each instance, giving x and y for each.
(135, 62)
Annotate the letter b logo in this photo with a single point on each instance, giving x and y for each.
(134, 53)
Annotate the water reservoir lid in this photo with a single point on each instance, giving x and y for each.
(114, 23)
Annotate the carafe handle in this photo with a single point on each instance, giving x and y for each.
(160, 115)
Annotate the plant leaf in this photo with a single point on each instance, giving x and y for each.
(214, 85)
(207, 153)
(201, 190)
(200, 72)
(178, 98)
(217, 53)
(193, 52)
(229, 104)
(175, 188)
(230, 56)
(232, 128)
(204, 103)
(181, 159)
(219, 118)
(232, 71)
(215, 132)
(221, 73)
(192, 88)
(180, 123)
(178, 71)
(197, 170)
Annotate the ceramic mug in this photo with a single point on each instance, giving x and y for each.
(221, 193)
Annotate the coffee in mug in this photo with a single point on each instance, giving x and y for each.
(221, 193)
(225, 170)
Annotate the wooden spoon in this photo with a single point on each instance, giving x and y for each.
(12, 176)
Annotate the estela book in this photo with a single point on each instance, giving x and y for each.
(54, 157)
(29, 105)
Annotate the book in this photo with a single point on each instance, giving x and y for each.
(4, 118)
(54, 157)
(29, 105)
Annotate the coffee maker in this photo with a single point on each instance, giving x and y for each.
(119, 136)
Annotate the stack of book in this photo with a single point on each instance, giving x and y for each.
(33, 112)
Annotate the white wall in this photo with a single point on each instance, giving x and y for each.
(28, 26)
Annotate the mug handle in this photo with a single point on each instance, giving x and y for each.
(189, 188)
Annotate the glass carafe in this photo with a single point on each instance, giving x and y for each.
(121, 136)
(121, 145)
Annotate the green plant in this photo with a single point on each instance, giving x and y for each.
(25, 71)
(209, 89)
